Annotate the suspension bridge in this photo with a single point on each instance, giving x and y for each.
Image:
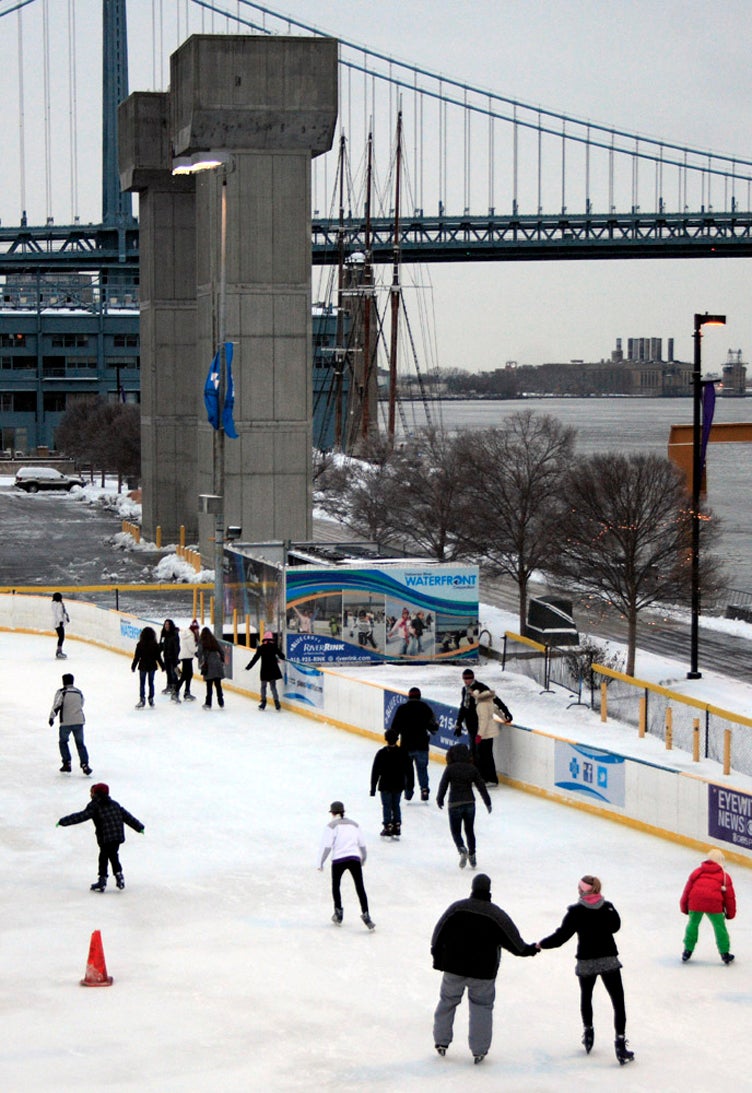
(483, 176)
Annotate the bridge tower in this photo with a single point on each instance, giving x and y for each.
(117, 205)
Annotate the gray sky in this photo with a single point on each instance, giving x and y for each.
(675, 70)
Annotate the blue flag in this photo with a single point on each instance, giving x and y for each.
(227, 423)
(211, 392)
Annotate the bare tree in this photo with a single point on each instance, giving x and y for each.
(429, 479)
(627, 528)
(106, 435)
(513, 496)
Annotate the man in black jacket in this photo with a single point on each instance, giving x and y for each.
(466, 946)
(415, 723)
(467, 714)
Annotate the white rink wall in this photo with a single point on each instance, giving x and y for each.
(657, 795)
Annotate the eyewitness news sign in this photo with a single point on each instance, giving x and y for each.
(730, 816)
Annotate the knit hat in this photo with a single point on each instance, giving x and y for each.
(268, 636)
(194, 625)
(414, 692)
(338, 807)
(481, 888)
(715, 855)
(101, 789)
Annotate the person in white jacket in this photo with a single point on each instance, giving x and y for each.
(188, 650)
(343, 839)
(59, 618)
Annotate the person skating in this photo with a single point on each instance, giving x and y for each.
(188, 651)
(467, 714)
(269, 654)
(415, 723)
(466, 946)
(392, 773)
(146, 658)
(60, 617)
(709, 891)
(595, 921)
(212, 666)
(68, 703)
(459, 778)
(169, 647)
(488, 729)
(343, 840)
(108, 817)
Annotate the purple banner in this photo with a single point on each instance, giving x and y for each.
(730, 816)
(708, 409)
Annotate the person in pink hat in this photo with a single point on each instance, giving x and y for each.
(188, 653)
(595, 921)
(709, 891)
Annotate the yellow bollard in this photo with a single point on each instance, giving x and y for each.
(234, 626)
(248, 631)
(643, 716)
(696, 740)
(201, 599)
(137, 533)
(195, 603)
(604, 702)
(159, 537)
(669, 728)
(727, 751)
(182, 536)
(211, 611)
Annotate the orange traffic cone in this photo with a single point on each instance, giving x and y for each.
(96, 969)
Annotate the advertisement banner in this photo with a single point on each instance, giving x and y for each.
(417, 612)
(446, 717)
(595, 775)
(304, 684)
(730, 816)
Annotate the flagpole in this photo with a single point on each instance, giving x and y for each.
(219, 433)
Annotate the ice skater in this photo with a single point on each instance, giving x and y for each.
(269, 654)
(459, 778)
(466, 946)
(595, 921)
(188, 651)
(415, 724)
(392, 773)
(108, 817)
(709, 891)
(212, 667)
(60, 617)
(343, 840)
(146, 658)
(68, 703)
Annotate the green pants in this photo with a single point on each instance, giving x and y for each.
(718, 922)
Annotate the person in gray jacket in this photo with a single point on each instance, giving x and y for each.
(69, 705)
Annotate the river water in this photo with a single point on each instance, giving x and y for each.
(632, 425)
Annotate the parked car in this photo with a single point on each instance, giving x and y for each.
(33, 479)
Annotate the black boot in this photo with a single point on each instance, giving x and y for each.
(100, 885)
(588, 1038)
(119, 880)
(622, 1052)
(66, 768)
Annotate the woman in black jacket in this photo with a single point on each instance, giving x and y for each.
(459, 778)
(146, 658)
(169, 647)
(595, 921)
(269, 654)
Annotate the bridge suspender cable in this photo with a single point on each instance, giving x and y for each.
(73, 110)
(21, 118)
(47, 111)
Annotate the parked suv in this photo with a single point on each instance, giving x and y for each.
(32, 479)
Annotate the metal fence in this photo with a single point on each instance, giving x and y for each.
(546, 664)
(682, 722)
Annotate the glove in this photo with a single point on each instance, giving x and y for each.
(133, 667)
(373, 792)
(440, 806)
(531, 950)
(490, 810)
(478, 739)
(52, 721)
(458, 730)
(58, 824)
(142, 831)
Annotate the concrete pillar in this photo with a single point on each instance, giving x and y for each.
(271, 104)
(171, 383)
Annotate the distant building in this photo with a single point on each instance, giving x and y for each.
(734, 384)
(61, 341)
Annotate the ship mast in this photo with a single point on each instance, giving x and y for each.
(395, 287)
(365, 420)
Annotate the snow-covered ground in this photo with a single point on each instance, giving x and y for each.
(229, 975)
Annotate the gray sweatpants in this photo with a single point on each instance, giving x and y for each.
(480, 995)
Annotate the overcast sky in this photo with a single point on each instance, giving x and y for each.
(680, 71)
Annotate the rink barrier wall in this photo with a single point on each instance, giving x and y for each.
(648, 796)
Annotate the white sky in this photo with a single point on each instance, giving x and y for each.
(228, 973)
(677, 70)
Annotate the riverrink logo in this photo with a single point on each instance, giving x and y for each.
(730, 816)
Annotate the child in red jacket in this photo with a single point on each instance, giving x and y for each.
(709, 891)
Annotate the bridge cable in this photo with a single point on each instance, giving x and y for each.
(21, 116)
(73, 110)
(47, 110)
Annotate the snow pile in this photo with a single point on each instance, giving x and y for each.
(173, 568)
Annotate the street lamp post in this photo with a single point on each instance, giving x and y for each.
(697, 461)
(215, 503)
